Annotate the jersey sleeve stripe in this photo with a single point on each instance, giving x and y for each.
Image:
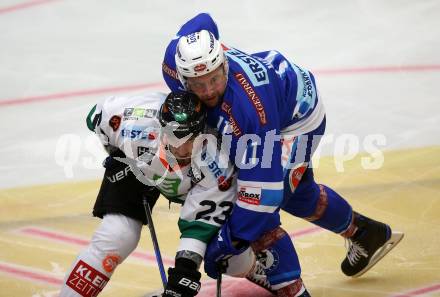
(197, 230)
(263, 185)
(257, 208)
(271, 197)
(191, 244)
(308, 124)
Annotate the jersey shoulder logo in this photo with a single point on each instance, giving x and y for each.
(254, 69)
(169, 187)
(224, 184)
(195, 177)
(115, 122)
(93, 119)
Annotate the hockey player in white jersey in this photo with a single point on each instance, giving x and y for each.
(129, 129)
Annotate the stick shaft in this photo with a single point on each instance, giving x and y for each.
(219, 284)
(155, 243)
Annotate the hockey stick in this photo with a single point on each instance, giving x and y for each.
(219, 284)
(221, 267)
(155, 242)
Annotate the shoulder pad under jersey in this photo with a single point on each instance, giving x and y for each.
(128, 122)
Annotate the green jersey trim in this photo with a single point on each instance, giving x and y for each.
(197, 230)
(91, 124)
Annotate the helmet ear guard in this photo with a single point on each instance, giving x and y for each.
(198, 54)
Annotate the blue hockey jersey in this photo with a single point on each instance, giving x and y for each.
(266, 97)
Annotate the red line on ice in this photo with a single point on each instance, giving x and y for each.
(305, 231)
(23, 5)
(419, 291)
(335, 71)
(37, 232)
(70, 239)
(29, 274)
(81, 93)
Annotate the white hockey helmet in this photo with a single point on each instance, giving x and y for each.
(198, 54)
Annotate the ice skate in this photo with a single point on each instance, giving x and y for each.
(372, 241)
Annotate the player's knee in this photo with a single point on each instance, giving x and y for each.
(241, 265)
(116, 237)
(268, 239)
(302, 203)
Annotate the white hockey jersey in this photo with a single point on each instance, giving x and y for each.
(206, 190)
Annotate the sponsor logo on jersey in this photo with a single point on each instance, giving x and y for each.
(110, 262)
(150, 113)
(212, 165)
(253, 97)
(224, 183)
(200, 67)
(146, 154)
(306, 102)
(234, 126)
(307, 97)
(137, 113)
(169, 187)
(128, 112)
(254, 69)
(86, 281)
(138, 133)
(142, 150)
(169, 71)
(295, 176)
(115, 122)
(308, 88)
(195, 178)
(250, 195)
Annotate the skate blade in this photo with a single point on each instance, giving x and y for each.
(395, 238)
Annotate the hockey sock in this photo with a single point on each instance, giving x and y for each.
(332, 211)
(88, 276)
(275, 251)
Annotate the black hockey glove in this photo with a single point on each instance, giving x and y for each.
(111, 163)
(183, 280)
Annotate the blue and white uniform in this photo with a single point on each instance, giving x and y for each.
(273, 118)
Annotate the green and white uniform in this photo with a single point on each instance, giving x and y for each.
(206, 191)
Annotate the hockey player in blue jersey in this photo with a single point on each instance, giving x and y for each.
(258, 102)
